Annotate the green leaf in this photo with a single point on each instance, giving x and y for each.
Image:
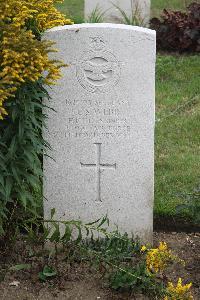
(53, 210)
(14, 113)
(32, 180)
(2, 165)
(49, 272)
(103, 221)
(23, 198)
(15, 172)
(1, 179)
(12, 149)
(41, 276)
(30, 156)
(46, 232)
(20, 267)
(8, 187)
(92, 223)
(21, 129)
(79, 238)
(67, 235)
(55, 237)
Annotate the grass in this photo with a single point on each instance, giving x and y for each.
(177, 130)
(73, 9)
(158, 5)
(178, 118)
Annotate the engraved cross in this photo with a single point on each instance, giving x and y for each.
(99, 168)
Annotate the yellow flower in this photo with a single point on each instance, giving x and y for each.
(162, 246)
(179, 292)
(143, 249)
(43, 12)
(2, 112)
(157, 259)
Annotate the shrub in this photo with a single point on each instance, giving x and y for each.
(178, 31)
(23, 60)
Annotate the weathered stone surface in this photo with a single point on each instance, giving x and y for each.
(102, 129)
(113, 15)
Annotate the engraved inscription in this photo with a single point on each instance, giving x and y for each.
(92, 119)
(99, 169)
(98, 69)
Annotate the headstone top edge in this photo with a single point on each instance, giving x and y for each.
(102, 25)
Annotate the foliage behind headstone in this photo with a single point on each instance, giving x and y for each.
(178, 31)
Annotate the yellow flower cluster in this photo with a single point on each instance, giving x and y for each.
(23, 58)
(157, 259)
(42, 12)
(143, 249)
(179, 292)
(47, 15)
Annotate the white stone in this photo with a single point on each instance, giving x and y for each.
(113, 15)
(102, 129)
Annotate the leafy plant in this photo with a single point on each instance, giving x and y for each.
(191, 205)
(117, 254)
(21, 150)
(47, 273)
(23, 60)
(178, 31)
(137, 279)
(96, 16)
(135, 18)
(122, 261)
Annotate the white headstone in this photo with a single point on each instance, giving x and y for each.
(140, 8)
(102, 129)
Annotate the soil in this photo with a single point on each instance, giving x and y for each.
(81, 282)
(178, 224)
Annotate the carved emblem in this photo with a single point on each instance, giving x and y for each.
(98, 70)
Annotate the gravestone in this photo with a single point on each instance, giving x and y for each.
(102, 127)
(112, 14)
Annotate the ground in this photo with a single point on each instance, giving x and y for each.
(80, 282)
